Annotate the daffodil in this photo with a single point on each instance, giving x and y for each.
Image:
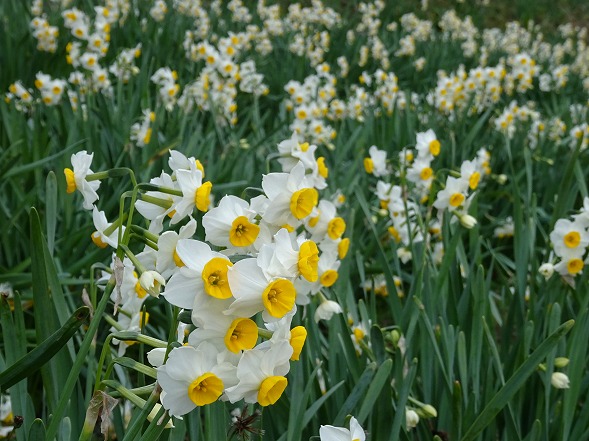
(332, 433)
(231, 224)
(192, 377)
(76, 178)
(255, 292)
(204, 272)
(262, 375)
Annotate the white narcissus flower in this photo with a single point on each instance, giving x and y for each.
(157, 213)
(261, 374)
(168, 261)
(152, 281)
(377, 162)
(101, 224)
(195, 193)
(332, 433)
(255, 292)
(192, 377)
(427, 144)
(569, 238)
(204, 273)
(291, 197)
(326, 310)
(231, 224)
(453, 195)
(76, 178)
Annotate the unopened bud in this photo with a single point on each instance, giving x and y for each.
(559, 380)
(560, 362)
(467, 221)
(546, 269)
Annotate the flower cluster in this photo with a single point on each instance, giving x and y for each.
(259, 259)
(569, 239)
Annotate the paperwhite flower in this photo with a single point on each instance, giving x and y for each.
(332, 433)
(204, 273)
(326, 310)
(192, 377)
(101, 223)
(76, 178)
(261, 375)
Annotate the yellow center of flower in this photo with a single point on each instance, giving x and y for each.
(426, 173)
(358, 334)
(309, 260)
(313, 221)
(368, 165)
(328, 278)
(200, 167)
(343, 247)
(205, 389)
(279, 297)
(177, 259)
(243, 233)
(298, 335)
(303, 201)
(574, 266)
(572, 239)
(394, 234)
(242, 334)
(322, 168)
(141, 293)
(214, 276)
(473, 181)
(271, 389)
(456, 199)
(70, 180)
(335, 228)
(147, 136)
(434, 147)
(304, 146)
(202, 197)
(97, 239)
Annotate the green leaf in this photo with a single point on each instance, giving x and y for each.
(37, 430)
(356, 394)
(35, 359)
(376, 387)
(502, 397)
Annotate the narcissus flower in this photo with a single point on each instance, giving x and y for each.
(261, 375)
(427, 144)
(332, 433)
(559, 380)
(76, 178)
(231, 224)
(192, 377)
(255, 292)
(204, 273)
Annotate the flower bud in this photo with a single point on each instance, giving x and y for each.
(411, 418)
(467, 221)
(546, 269)
(429, 411)
(560, 362)
(152, 281)
(559, 380)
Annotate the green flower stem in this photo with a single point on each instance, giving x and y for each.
(166, 190)
(142, 231)
(138, 265)
(164, 203)
(264, 333)
(116, 224)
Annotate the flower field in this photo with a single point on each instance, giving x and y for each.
(279, 221)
